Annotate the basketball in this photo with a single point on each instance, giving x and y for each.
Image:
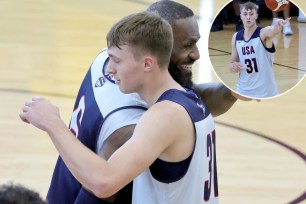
(276, 5)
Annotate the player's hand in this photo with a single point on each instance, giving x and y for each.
(40, 113)
(282, 22)
(236, 67)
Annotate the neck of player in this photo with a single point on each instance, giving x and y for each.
(156, 85)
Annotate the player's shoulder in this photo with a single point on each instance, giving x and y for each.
(239, 36)
(164, 106)
(234, 35)
(164, 110)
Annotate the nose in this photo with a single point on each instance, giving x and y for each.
(110, 68)
(194, 54)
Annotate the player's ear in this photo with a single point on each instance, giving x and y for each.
(148, 63)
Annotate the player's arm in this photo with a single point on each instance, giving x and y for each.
(115, 141)
(269, 32)
(102, 177)
(235, 66)
(217, 97)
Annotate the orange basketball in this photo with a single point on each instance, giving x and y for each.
(276, 5)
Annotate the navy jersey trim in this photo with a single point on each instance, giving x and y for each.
(104, 71)
(179, 97)
(271, 49)
(239, 35)
(168, 172)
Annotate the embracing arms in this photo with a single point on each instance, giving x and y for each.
(104, 178)
(216, 96)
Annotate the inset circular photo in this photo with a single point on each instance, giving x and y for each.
(258, 48)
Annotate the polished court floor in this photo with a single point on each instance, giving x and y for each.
(46, 48)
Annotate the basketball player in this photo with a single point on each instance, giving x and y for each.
(253, 54)
(104, 118)
(175, 137)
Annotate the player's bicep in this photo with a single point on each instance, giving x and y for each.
(144, 147)
(269, 32)
(147, 142)
(266, 35)
(216, 96)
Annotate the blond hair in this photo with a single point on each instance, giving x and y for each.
(146, 33)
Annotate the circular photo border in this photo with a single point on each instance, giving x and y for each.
(263, 65)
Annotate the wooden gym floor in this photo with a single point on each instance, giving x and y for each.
(47, 46)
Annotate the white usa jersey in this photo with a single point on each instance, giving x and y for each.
(100, 109)
(197, 183)
(257, 79)
(118, 109)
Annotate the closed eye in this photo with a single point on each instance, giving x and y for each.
(114, 59)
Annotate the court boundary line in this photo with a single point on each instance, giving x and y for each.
(274, 63)
(300, 198)
(23, 91)
(225, 52)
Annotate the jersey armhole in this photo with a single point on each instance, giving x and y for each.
(116, 120)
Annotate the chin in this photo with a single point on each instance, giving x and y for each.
(123, 90)
(127, 92)
(184, 78)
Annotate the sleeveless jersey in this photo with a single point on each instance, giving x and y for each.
(198, 183)
(99, 101)
(257, 79)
